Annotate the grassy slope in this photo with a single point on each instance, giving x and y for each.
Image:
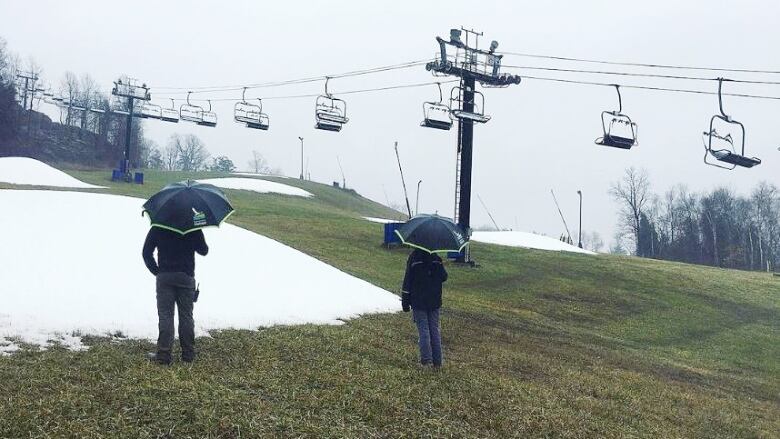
(537, 344)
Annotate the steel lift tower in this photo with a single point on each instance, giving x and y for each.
(457, 58)
(131, 90)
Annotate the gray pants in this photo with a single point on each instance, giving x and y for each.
(430, 336)
(175, 290)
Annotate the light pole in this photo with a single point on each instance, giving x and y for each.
(417, 201)
(580, 234)
(301, 139)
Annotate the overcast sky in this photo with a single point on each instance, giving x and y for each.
(541, 135)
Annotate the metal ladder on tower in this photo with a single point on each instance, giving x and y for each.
(457, 175)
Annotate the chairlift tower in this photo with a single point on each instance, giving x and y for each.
(131, 90)
(470, 64)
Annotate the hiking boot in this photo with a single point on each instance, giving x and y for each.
(158, 359)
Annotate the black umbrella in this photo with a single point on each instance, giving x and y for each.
(188, 206)
(433, 233)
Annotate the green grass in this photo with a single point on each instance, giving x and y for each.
(537, 344)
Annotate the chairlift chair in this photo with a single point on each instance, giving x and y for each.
(170, 114)
(330, 113)
(619, 130)
(457, 98)
(150, 111)
(209, 118)
(728, 152)
(250, 114)
(436, 115)
(189, 112)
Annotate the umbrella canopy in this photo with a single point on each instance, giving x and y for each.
(188, 206)
(433, 233)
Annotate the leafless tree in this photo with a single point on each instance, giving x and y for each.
(633, 193)
(69, 89)
(192, 153)
(258, 164)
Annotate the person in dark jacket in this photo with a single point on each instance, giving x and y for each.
(175, 272)
(421, 292)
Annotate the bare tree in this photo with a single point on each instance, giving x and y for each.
(69, 89)
(170, 156)
(258, 164)
(192, 153)
(633, 192)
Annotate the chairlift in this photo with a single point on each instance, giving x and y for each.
(170, 114)
(457, 99)
(250, 114)
(150, 111)
(189, 112)
(720, 146)
(619, 130)
(209, 118)
(436, 114)
(330, 113)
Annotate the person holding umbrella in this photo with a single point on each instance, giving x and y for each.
(425, 274)
(178, 213)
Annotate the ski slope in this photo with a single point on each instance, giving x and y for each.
(27, 171)
(71, 265)
(257, 185)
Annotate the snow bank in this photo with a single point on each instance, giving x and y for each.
(526, 240)
(256, 185)
(71, 265)
(381, 220)
(257, 174)
(23, 170)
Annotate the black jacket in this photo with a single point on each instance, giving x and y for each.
(422, 283)
(175, 253)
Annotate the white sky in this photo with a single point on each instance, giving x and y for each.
(541, 135)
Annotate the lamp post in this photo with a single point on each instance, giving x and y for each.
(417, 201)
(580, 234)
(301, 139)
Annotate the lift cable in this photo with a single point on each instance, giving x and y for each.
(639, 75)
(312, 95)
(209, 89)
(644, 87)
(636, 64)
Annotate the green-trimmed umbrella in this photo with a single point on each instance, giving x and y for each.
(187, 206)
(433, 233)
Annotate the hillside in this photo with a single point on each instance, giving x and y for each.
(537, 344)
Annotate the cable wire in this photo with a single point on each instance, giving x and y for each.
(639, 75)
(237, 87)
(643, 87)
(637, 64)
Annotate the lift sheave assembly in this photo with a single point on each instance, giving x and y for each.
(619, 130)
(721, 146)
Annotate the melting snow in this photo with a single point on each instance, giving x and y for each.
(27, 171)
(526, 240)
(256, 185)
(71, 265)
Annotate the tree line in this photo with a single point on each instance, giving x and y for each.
(717, 227)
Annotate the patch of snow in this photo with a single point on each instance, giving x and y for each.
(526, 240)
(254, 174)
(257, 185)
(381, 220)
(71, 265)
(27, 171)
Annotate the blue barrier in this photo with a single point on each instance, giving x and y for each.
(390, 236)
(139, 178)
(116, 175)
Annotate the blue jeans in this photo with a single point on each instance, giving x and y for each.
(430, 336)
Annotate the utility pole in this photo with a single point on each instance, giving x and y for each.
(131, 91)
(301, 139)
(471, 65)
(580, 234)
(417, 200)
(403, 182)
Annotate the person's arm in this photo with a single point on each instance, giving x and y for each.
(406, 289)
(199, 243)
(148, 252)
(440, 268)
